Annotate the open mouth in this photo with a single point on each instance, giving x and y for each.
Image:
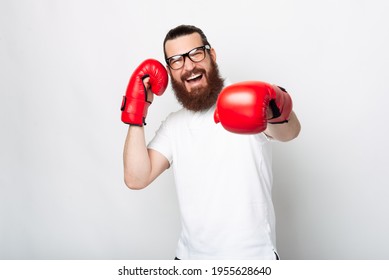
(194, 78)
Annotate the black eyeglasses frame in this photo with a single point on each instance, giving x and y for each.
(187, 54)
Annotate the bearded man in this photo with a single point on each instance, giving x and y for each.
(223, 173)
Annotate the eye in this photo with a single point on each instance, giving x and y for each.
(175, 60)
(197, 54)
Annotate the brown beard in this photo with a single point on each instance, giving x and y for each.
(200, 98)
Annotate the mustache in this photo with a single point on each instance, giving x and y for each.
(195, 71)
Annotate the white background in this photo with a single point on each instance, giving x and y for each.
(64, 66)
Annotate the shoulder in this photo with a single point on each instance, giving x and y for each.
(177, 117)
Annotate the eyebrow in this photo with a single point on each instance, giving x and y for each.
(181, 54)
(168, 56)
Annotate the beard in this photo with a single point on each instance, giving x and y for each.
(201, 98)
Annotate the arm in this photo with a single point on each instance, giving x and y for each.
(284, 131)
(141, 165)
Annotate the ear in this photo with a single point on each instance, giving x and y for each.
(168, 70)
(212, 52)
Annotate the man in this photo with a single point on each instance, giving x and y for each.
(222, 172)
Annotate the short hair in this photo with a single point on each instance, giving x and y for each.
(183, 30)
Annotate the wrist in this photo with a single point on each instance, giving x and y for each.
(134, 111)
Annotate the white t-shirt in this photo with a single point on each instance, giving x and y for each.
(223, 183)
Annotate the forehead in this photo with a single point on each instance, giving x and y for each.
(183, 44)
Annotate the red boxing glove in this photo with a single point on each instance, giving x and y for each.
(135, 104)
(242, 107)
(281, 106)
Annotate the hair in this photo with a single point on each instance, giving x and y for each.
(183, 30)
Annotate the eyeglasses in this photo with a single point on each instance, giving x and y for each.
(176, 62)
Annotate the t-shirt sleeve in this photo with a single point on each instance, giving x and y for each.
(161, 142)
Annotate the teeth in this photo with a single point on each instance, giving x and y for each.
(194, 77)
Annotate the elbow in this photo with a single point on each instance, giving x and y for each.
(133, 184)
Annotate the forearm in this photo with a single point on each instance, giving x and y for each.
(285, 131)
(137, 165)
